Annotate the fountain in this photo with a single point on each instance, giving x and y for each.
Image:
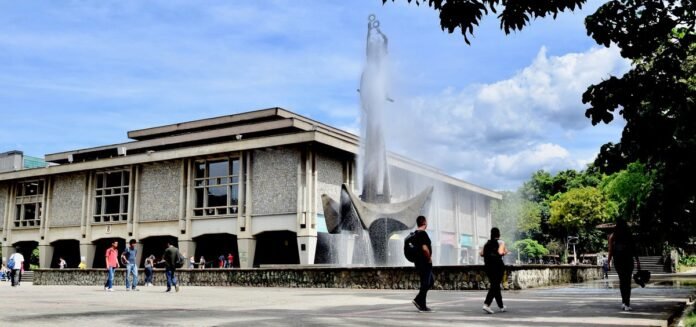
(362, 225)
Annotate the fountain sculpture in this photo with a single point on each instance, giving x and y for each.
(364, 224)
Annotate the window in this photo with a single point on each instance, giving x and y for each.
(216, 187)
(29, 202)
(111, 196)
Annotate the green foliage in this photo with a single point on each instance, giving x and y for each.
(657, 99)
(530, 248)
(555, 247)
(514, 15)
(628, 189)
(580, 207)
(34, 259)
(688, 260)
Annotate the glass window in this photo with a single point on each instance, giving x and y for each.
(216, 187)
(111, 196)
(29, 200)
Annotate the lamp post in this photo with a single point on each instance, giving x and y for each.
(574, 240)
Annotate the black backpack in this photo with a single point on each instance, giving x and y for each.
(179, 259)
(411, 247)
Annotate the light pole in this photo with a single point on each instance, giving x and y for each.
(574, 240)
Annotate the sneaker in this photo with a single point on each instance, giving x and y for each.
(168, 290)
(127, 289)
(426, 309)
(109, 289)
(176, 287)
(626, 307)
(502, 309)
(418, 306)
(487, 309)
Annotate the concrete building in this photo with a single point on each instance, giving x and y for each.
(247, 184)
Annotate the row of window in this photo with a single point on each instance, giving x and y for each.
(215, 186)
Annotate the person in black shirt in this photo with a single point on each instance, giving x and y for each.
(622, 250)
(492, 254)
(424, 264)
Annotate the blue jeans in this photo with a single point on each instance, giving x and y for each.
(110, 277)
(171, 278)
(131, 268)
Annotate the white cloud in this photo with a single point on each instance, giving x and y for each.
(498, 134)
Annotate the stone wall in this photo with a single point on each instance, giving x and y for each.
(3, 201)
(274, 181)
(66, 203)
(160, 191)
(329, 179)
(446, 277)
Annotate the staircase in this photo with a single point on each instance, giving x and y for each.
(28, 276)
(653, 264)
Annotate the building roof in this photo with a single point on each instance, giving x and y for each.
(249, 130)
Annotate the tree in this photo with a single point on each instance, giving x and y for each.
(577, 213)
(514, 15)
(629, 189)
(657, 99)
(530, 249)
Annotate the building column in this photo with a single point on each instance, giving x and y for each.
(7, 251)
(187, 249)
(45, 255)
(246, 248)
(87, 252)
(139, 253)
(307, 247)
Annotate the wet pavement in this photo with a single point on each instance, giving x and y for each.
(595, 303)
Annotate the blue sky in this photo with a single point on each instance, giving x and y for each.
(77, 74)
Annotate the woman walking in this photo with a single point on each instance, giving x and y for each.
(622, 249)
(492, 254)
(149, 263)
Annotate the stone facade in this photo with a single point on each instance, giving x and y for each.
(66, 203)
(329, 179)
(160, 190)
(446, 277)
(3, 202)
(274, 181)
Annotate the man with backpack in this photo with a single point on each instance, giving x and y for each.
(14, 264)
(422, 258)
(172, 260)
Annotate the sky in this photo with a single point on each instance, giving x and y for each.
(78, 74)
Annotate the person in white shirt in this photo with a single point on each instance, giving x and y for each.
(62, 263)
(16, 274)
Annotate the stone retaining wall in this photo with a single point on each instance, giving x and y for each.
(446, 277)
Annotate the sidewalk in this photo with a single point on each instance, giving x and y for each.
(591, 304)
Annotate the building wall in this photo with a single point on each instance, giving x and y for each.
(274, 181)
(66, 204)
(3, 201)
(159, 191)
(329, 179)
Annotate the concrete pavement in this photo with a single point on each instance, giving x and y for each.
(590, 304)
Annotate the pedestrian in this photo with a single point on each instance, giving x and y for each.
(111, 258)
(61, 263)
(492, 254)
(192, 262)
(221, 261)
(230, 260)
(201, 263)
(171, 257)
(129, 259)
(149, 264)
(605, 267)
(424, 264)
(16, 264)
(623, 250)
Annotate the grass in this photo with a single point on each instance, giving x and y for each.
(690, 320)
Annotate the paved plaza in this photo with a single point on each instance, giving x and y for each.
(590, 304)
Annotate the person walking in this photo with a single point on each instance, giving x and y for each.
(192, 262)
(149, 264)
(424, 264)
(129, 259)
(492, 254)
(111, 258)
(622, 249)
(230, 260)
(201, 263)
(171, 256)
(16, 264)
(62, 263)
